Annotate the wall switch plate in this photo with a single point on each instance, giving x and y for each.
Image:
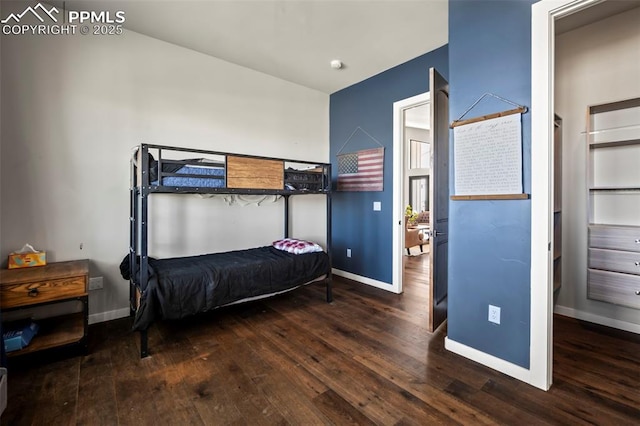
(494, 314)
(96, 283)
(348, 252)
(377, 206)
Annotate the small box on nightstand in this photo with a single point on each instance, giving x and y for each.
(26, 260)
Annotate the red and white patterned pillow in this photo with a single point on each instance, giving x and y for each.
(295, 246)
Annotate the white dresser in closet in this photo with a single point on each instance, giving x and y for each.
(613, 179)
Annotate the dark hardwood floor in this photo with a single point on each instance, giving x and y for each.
(294, 359)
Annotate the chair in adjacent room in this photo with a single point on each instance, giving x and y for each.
(413, 237)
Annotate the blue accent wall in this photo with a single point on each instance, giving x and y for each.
(369, 105)
(490, 241)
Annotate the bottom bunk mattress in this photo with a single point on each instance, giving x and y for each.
(184, 286)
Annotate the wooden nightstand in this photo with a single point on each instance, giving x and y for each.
(55, 283)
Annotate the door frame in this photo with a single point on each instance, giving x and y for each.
(543, 16)
(399, 175)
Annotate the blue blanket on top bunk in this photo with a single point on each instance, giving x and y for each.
(194, 181)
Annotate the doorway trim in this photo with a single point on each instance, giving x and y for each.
(399, 175)
(543, 16)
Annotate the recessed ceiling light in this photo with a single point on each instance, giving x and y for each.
(336, 64)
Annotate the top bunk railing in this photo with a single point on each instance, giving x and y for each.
(166, 169)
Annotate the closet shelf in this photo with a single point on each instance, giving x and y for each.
(599, 225)
(612, 144)
(614, 106)
(611, 129)
(614, 189)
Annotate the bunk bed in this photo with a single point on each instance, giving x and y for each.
(178, 287)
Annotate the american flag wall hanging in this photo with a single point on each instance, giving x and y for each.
(361, 170)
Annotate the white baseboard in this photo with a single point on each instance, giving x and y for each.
(364, 280)
(109, 315)
(488, 360)
(597, 319)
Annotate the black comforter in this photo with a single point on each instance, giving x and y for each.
(179, 287)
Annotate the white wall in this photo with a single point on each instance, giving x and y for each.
(73, 107)
(594, 64)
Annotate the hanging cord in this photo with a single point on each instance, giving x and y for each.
(353, 133)
(522, 107)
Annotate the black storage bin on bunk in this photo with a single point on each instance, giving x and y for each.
(304, 180)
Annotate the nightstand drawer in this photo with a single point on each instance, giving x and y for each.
(23, 294)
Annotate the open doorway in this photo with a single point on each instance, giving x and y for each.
(409, 150)
(416, 147)
(412, 158)
(550, 19)
(597, 49)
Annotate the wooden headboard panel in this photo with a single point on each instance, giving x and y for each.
(257, 173)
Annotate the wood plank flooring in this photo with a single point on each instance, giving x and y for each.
(364, 359)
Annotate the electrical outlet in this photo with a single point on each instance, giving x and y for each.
(377, 206)
(96, 283)
(348, 252)
(494, 314)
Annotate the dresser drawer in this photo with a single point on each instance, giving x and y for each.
(23, 294)
(615, 260)
(625, 238)
(614, 287)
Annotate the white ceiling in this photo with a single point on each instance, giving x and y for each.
(294, 40)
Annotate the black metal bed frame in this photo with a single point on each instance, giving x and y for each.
(141, 187)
